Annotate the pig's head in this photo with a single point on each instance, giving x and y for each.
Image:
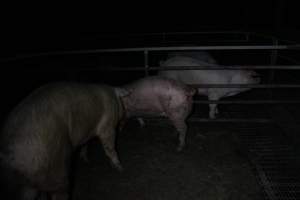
(243, 77)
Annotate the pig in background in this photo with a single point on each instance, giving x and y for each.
(159, 96)
(43, 131)
(207, 76)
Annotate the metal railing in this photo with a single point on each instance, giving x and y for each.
(275, 46)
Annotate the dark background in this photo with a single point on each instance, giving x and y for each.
(27, 28)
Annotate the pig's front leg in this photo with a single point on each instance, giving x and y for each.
(83, 153)
(213, 111)
(141, 122)
(107, 139)
(181, 127)
(213, 108)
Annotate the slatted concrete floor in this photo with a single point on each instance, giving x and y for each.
(272, 156)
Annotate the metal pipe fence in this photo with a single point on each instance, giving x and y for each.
(274, 46)
(207, 67)
(148, 49)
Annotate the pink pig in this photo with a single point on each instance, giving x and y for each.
(159, 96)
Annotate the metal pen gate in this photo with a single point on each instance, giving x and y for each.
(254, 133)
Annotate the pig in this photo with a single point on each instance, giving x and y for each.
(42, 132)
(159, 96)
(207, 76)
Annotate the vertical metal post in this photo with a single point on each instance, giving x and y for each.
(164, 37)
(146, 62)
(273, 61)
(274, 53)
(247, 37)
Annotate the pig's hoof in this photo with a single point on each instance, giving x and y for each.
(83, 156)
(85, 159)
(119, 168)
(141, 122)
(179, 148)
(212, 116)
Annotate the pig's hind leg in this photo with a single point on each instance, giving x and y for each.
(181, 127)
(107, 139)
(178, 120)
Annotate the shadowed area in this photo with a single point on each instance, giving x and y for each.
(209, 168)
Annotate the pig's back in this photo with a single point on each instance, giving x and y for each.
(151, 94)
(57, 103)
(194, 76)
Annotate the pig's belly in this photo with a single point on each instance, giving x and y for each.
(146, 112)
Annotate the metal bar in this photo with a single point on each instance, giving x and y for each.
(273, 61)
(253, 120)
(242, 47)
(146, 62)
(225, 67)
(245, 85)
(247, 102)
(274, 53)
(219, 67)
(74, 52)
(225, 120)
(247, 35)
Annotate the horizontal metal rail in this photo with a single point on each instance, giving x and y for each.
(208, 67)
(222, 47)
(225, 120)
(143, 49)
(247, 102)
(272, 86)
(224, 67)
(252, 120)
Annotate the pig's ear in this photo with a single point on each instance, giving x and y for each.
(121, 92)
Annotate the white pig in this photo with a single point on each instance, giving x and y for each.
(158, 96)
(207, 76)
